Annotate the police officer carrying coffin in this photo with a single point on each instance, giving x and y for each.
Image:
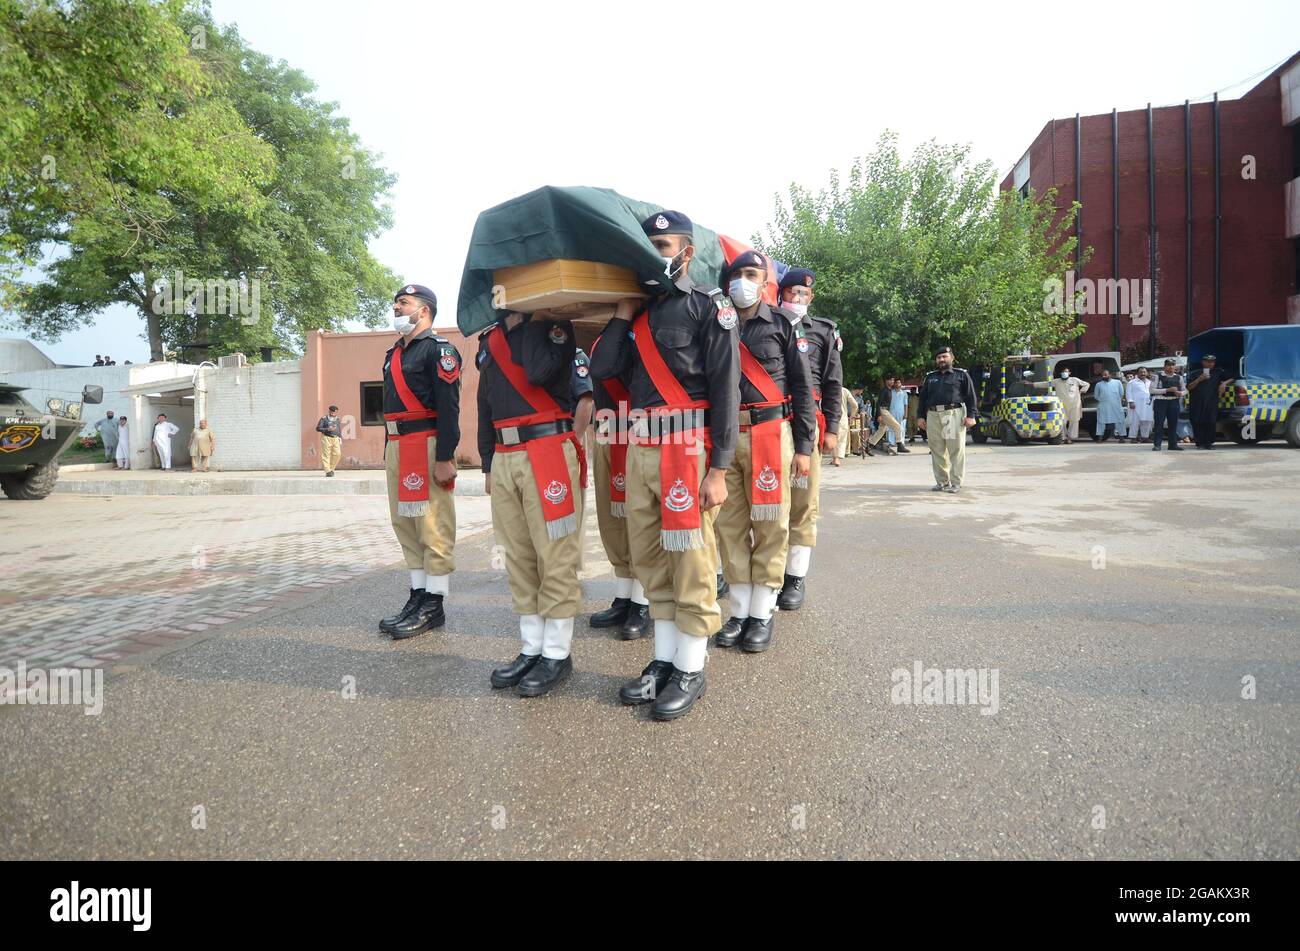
(680, 352)
(778, 427)
(947, 409)
(533, 470)
(422, 416)
(630, 612)
(824, 346)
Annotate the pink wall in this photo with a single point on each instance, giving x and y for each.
(333, 369)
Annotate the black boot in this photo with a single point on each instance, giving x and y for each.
(422, 619)
(513, 672)
(637, 623)
(902, 447)
(758, 635)
(647, 687)
(413, 602)
(676, 699)
(791, 596)
(729, 635)
(723, 588)
(612, 616)
(545, 676)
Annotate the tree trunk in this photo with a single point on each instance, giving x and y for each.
(152, 321)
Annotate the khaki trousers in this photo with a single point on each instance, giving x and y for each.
(945, 431)
(887, 422)
(427, 540)
(805, 504)
(613, 531)
(754, 552)
(681, 586)
(197, 461)
(331, 451)
(542, 572)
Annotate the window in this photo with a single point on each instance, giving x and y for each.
(372, 404)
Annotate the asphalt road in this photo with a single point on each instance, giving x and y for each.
(1120, 596)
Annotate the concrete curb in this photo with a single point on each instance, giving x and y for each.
(86, 467)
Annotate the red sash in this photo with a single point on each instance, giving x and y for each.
(821, 420)
(679, 477)
(546, 453)
(764, 443)
(617, 392)
(412, 448)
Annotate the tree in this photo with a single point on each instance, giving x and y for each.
(261, 234)
(912, 254)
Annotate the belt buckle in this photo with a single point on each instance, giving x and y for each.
(509, 435)
(391, 426)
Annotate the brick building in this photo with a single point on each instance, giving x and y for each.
(1202, 199)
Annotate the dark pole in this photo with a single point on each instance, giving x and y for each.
(1078, 196)
(1114, 216)
(1187, 161)
(1218, 220)
(1151, 232)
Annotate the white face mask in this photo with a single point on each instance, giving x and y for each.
(1065, 374)
(403, 324)
(671, 271)
(743, 293)
(799, 309)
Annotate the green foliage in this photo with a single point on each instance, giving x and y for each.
(176, 148)
(911, 254)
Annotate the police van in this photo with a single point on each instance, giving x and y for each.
(1264, 402)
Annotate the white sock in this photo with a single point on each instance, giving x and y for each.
(666, 635)
(557, 638)
(740, 597)
(796, 564)
(437, 584)
(762, 602)
(690, 653)
(417, 577)
(638, 593)
(623, 587)
(531, 631)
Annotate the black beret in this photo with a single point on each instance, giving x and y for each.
(667, 222)
(944, 349)
(745, 259)
(420, 291)
(797, 277)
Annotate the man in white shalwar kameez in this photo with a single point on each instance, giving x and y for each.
(163, 431)
(123, 444)
(1069, 390)
(1141, 415)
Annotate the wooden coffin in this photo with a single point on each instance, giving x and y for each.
(582, 291)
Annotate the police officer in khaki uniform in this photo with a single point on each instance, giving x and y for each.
(630, 611)
(778, 427)
(680, 354)
(422, 417)
(824, 346)
(947, 409)
(534, 472)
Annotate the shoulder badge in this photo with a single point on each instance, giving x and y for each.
(727, 316)
(802, 345)
(839, 341)
(449, 364)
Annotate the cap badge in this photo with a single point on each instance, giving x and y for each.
(661, 222)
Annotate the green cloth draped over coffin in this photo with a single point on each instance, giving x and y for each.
(574, 223)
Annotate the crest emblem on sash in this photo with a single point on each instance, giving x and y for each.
(414, 482)
(679, 498)
(767, 480)
(556, 492)
(620, 482)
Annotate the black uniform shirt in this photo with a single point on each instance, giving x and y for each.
(545, 350)
(824, 364)
(950, 386)
(695, 334)
(779, 345)
(422, 359)
(1204, 400)
(603, 400)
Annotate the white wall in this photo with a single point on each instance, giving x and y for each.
(67, 383)
(254, 414)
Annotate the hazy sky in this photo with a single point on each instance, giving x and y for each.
(471, 104)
